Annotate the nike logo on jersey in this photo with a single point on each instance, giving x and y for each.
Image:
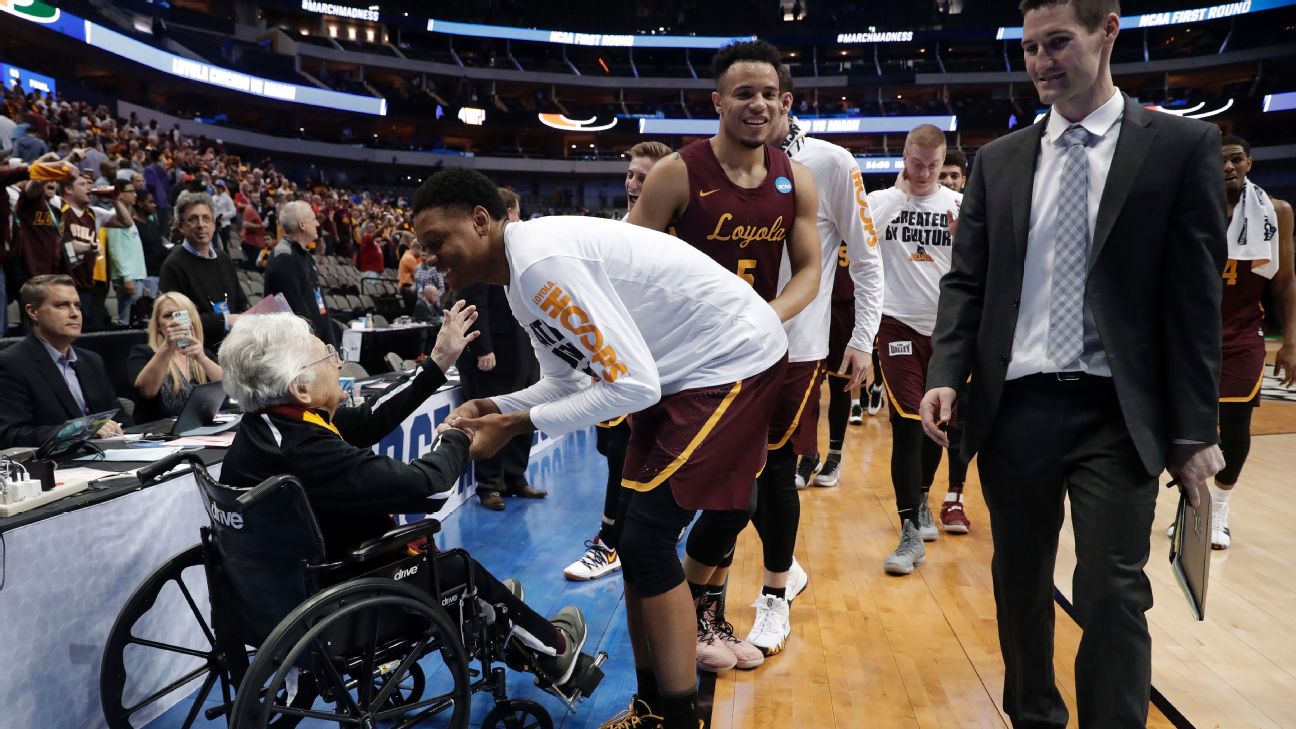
(704, 193)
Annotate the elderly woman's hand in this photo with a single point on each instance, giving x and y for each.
(454, 334)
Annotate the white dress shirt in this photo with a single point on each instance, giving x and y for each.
(1030, 340)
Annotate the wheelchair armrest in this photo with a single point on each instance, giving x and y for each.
(150, 473)
(396, 539)
(266, 487)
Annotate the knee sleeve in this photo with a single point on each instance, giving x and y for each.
(1235, 439)
(778, 509)
(714, 537)
(907, 463)
(838, 411)
(648, 558)
(931, 458)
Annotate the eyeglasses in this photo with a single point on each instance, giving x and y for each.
(332, 355)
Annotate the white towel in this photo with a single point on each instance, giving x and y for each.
(1253, 230)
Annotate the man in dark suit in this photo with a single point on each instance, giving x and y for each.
(498, 362)
(46, 381)
(1083, 301)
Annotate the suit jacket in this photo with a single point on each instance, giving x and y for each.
(1153, 285)
(500, 333)
(36, 398)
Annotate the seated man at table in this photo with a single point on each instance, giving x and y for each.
(286, 380)
(44, 380)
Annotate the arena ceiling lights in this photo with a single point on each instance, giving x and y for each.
(1280, 102)
(1193, 112)
(561, 122)
(1179, 17)
(844, 125)
(98, 36)
(503, 32)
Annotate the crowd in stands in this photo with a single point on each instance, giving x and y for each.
(149, 168)
(183, 238)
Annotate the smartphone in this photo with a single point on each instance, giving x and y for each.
(182, 317)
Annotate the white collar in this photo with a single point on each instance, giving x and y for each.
(1098, 123)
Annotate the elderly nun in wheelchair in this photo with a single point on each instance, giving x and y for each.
(286, 381)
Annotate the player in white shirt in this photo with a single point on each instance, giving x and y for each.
(914, 218)
(625, 320)
(842, 220)
(600, 556)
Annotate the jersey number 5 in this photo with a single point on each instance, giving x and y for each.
(746, 266)
(1230, 273)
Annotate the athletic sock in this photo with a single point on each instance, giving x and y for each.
(779, 592)
(679, 710)
(834, 451)
(954, 494)
(605, 533)
(1219, 496)
(855, 402)
(648, 687)
(697, 591)
(911, 515)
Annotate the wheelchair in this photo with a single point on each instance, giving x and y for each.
(289, 626)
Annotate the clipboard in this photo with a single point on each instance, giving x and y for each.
(1190, 551)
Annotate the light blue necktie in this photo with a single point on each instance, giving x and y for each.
(1070, 252)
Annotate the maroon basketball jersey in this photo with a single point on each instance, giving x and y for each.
(1243, 316)
(744, 230)
(843, 287)
(82, 229)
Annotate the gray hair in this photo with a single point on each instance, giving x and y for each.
(190, 198)
(263, 356)
(293, 214)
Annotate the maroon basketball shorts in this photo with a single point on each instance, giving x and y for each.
(708, 443)
(796, 413)
(904, 355)
(840, 328)
(1241, 370)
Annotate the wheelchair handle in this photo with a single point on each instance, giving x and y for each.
(150, 473)
(267, 487)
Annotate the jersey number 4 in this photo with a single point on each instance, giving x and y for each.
(1230, 272)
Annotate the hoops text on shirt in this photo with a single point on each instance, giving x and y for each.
(574, 319)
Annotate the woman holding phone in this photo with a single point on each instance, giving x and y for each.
(166, 369)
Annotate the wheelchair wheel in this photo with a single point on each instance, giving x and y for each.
(408, 690)
(341, 644)
(517, 714)
(134, 640)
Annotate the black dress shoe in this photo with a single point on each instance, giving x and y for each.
(525, 491)
(491, 500)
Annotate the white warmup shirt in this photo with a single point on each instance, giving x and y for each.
(915, 251)
(843, 216)
(643, 312)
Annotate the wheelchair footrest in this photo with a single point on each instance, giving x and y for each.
(586, 678)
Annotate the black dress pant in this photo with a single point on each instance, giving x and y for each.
(1052, 439)
(506, 470)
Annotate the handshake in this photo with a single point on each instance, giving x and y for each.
(487, 429)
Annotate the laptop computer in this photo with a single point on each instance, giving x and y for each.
(200, 410)
(1190, 550)
(71, 434)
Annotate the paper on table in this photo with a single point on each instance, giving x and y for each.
(137, 455)
(77, 474)
(222, 440)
